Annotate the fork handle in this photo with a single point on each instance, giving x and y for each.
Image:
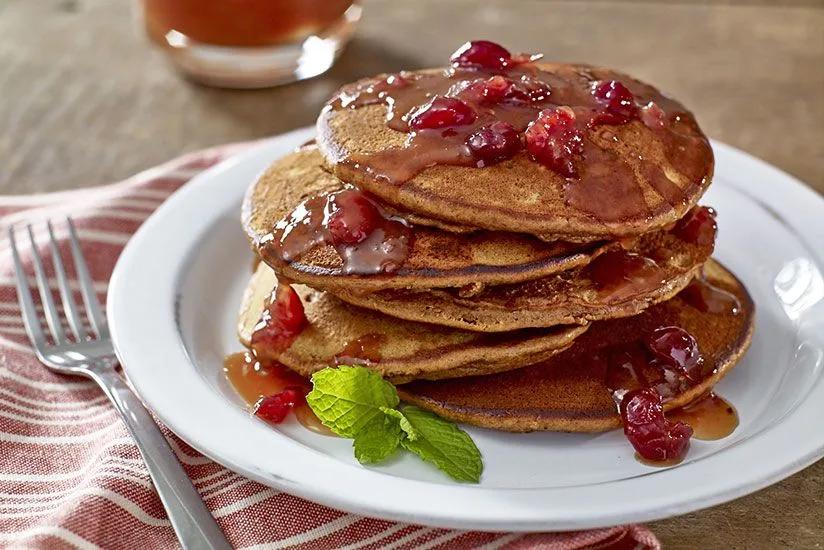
(193, 523)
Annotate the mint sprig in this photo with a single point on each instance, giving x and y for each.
(378, 440)
(346, 399)
(357, 403)
(443, 443)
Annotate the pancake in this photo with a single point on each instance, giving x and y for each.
(417, 219)
(338, 333)
(435, 258)
(632, 178)
(596, 291)
(569, 391)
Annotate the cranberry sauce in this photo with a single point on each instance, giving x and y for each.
(707, 298)
(698, 226)
(490, 105)
(666, 360)
(654, 437)
(620, 274)
(645, 374)
(366, 238)
(280, 324)
(271, 390)
(364, 350)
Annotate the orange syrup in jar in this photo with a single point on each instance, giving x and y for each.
(241, 23)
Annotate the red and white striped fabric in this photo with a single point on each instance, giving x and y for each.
(70, 476)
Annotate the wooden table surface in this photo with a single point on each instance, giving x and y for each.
(85, 101)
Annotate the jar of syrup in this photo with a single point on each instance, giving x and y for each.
(250, 43)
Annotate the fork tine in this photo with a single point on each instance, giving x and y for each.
(69, 305)
(52, 315)
(93, 310)
(30, 318)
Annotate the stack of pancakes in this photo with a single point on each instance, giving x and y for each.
(493, 292)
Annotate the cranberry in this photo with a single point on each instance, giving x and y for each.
(481, 54)
(282, 321)
(275, 408)
(617, 103)
(495, 89)
(653, 116)
(396, 81)
(494, 142)
(529, 90)
(441, 112)
(499, 89)
(553, 139)
(646, 428)
(674, 346)
(350, 217)
(698, 226)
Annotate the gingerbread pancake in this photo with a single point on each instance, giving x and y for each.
(573, 391)
(338, 333)
(620, 175)
(431, 257)
(617, 283)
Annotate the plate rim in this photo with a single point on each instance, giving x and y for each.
(443, 505)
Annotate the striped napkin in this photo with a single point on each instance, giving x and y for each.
(70, 475)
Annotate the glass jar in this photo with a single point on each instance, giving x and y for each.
(250, 43)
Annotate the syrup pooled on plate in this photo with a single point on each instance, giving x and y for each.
(644, 375)
(711, 417)
(660, 463)
(491, 105)
(367, 239)
(254, 380)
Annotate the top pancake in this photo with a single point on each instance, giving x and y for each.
(633, 178)
(436, 258)
(569, 392)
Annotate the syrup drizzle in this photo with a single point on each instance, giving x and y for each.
(253, 380)
(707, 298)
(620, 274)
(631, 366)
(606, 186)
(364, 350)
(384, 249)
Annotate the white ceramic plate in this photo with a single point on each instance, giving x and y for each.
(177, 286)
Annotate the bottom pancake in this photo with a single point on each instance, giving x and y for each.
(573, 390)
(338, 333)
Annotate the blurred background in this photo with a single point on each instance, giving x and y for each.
(85, 99)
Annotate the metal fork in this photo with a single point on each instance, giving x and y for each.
(94, 357)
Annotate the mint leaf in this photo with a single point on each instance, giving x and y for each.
(357, 403)
(443, 443)
(403, 423)
(346, 399)
(377, 440)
